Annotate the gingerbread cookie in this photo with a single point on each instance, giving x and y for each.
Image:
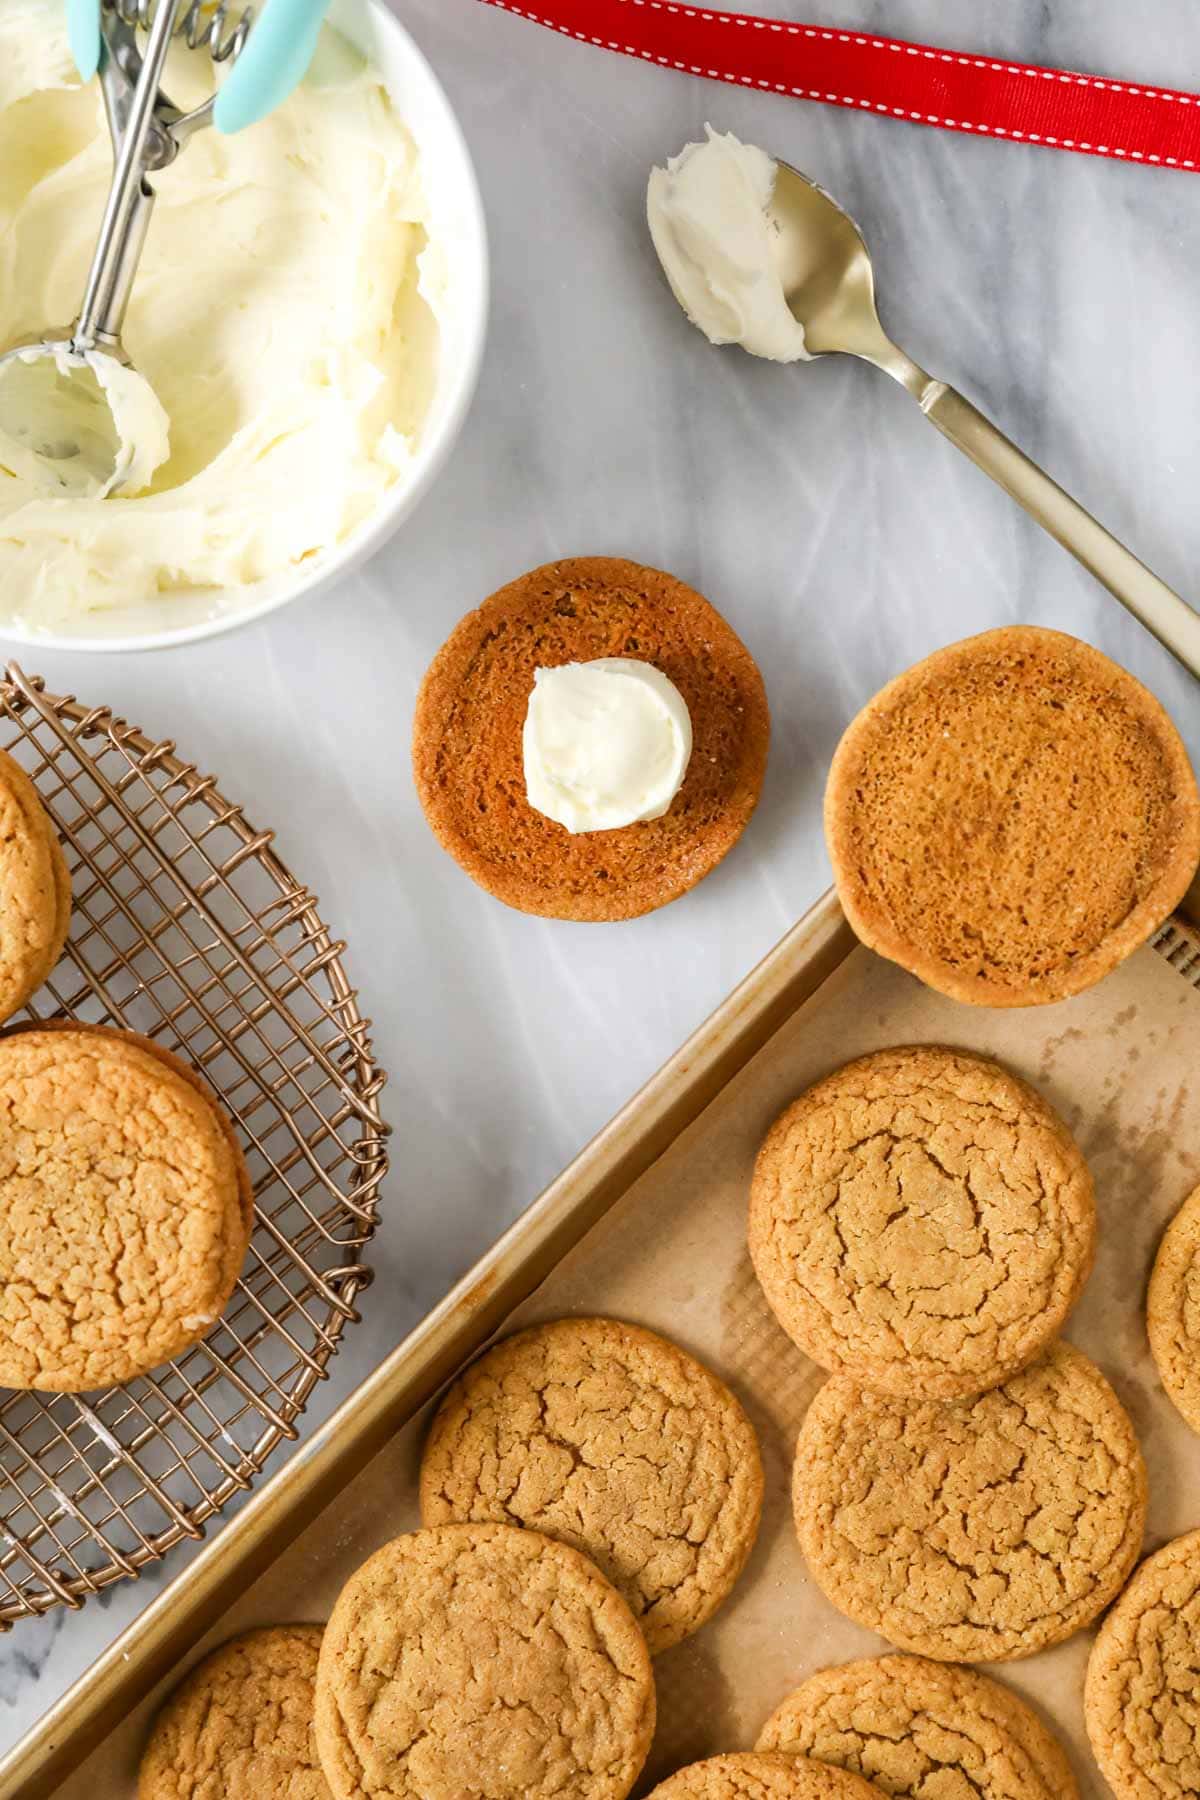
(241, 1724)
(1011, 818)
(923, 1222)
(125, 1208)
(975, 1531)
(35, 889)
(918, 1729)
(483, 1660)
(1142, 1700)
(613, 1440)
(467, 739)
(758, 1776)
(1173, 1310)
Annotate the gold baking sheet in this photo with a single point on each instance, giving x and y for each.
(669, 1252)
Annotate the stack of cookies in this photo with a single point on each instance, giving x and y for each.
(125, 1206)
(967, 1484)
(590, 1495)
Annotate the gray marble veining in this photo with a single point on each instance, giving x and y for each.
(840, 534)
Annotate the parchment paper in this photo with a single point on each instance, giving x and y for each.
(1117, 1063)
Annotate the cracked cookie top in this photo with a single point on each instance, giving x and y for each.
(922, 1221)
(979, 1530)
(1142, 1702)
(758, 1776)
(482, 1660)
(922, 1730)
(241, 1723)
(615, 1441)
(125, 1208)
(35, 889)
(1173, 1310)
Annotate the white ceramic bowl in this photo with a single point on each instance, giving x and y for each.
(456, 215)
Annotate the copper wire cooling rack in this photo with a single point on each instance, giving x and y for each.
(188, 929)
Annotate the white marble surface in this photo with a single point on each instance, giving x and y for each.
(841, 535)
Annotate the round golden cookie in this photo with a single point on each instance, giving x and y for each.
(467, 750)
(978, 1530)
(35, 889)
(1173, 1310)
(757, 1776)
(922, 1221)
(613, 1440)
(1142, 1699)
(125, 1208)
(921, 1730)
(241, 1724)
(482, 1660)
(1011, 818)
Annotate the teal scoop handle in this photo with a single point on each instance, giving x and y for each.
(83, 31)
(275, 59)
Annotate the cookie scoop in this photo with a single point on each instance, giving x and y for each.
(77, 419)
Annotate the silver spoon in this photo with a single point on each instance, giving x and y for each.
(830, 289)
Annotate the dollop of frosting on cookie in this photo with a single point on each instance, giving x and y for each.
(605, 743)
(709, 216)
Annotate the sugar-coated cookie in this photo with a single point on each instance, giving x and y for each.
(609, 1438)
(241, 1724)
(922, 1221)
(920, 1729)
(975, 1530)
(125, 1208)
(1142, 1700)
(482, 1660)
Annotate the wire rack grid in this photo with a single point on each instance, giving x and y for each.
(187, 928)
(1181, 947)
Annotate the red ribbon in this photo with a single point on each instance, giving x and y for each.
(950, 89)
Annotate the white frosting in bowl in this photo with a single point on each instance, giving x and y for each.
(79, 426)
(285, 313)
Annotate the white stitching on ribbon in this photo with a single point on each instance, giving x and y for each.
(705, 16)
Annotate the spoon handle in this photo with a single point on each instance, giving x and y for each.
(1158, 607)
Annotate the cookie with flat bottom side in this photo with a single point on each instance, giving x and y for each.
(918, 1728)
(35, 889)
(241, 1723)
(611, 1439)
(922, 1221)
(1142, 1698)
(125, 1207)
(1173, 1310)
(467, 739)
(976, 1530)
(758, 1776)
(1011, 818)
(482, 1660)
